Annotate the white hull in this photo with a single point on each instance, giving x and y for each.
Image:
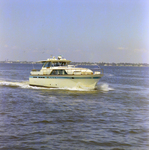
(67, 81)
(57, 73)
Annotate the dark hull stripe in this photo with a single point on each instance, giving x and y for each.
(48, 77)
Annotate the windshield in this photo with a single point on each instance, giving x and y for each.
(58, 64)
(52, 64)
(47, 64)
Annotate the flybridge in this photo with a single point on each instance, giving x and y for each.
(60, 59)
(52, 62)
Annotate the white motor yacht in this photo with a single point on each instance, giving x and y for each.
(57, 73)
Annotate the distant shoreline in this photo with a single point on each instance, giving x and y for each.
(85, 63)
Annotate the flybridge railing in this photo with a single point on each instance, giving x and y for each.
(84, 70)
(87, 65)
(94, 67)
(98, 70)
(79, 69)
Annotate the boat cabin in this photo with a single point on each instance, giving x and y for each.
(58, 72)
(60, 66)
(53, 62)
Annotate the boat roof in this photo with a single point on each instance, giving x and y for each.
(60, 59)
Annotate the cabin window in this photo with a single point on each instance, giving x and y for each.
(62, 63)
(53, 64)
(47, 64)
(58, 64)
(43, 64)
(58, 72)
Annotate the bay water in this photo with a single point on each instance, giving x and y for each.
(113, 116)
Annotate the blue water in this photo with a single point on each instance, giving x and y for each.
(114, 116)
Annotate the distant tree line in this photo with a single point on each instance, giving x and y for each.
(87, 63)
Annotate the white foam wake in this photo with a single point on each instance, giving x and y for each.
(25, 84)
(104, 87)
(21, 84)
(79, 87)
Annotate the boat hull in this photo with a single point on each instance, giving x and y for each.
(67, 81)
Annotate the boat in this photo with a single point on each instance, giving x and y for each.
(58, 73)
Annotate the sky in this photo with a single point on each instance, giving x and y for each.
(79, 30)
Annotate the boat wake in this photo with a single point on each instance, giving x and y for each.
(22, 84)
(104, 87)
(13, 84)
(25, 84)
